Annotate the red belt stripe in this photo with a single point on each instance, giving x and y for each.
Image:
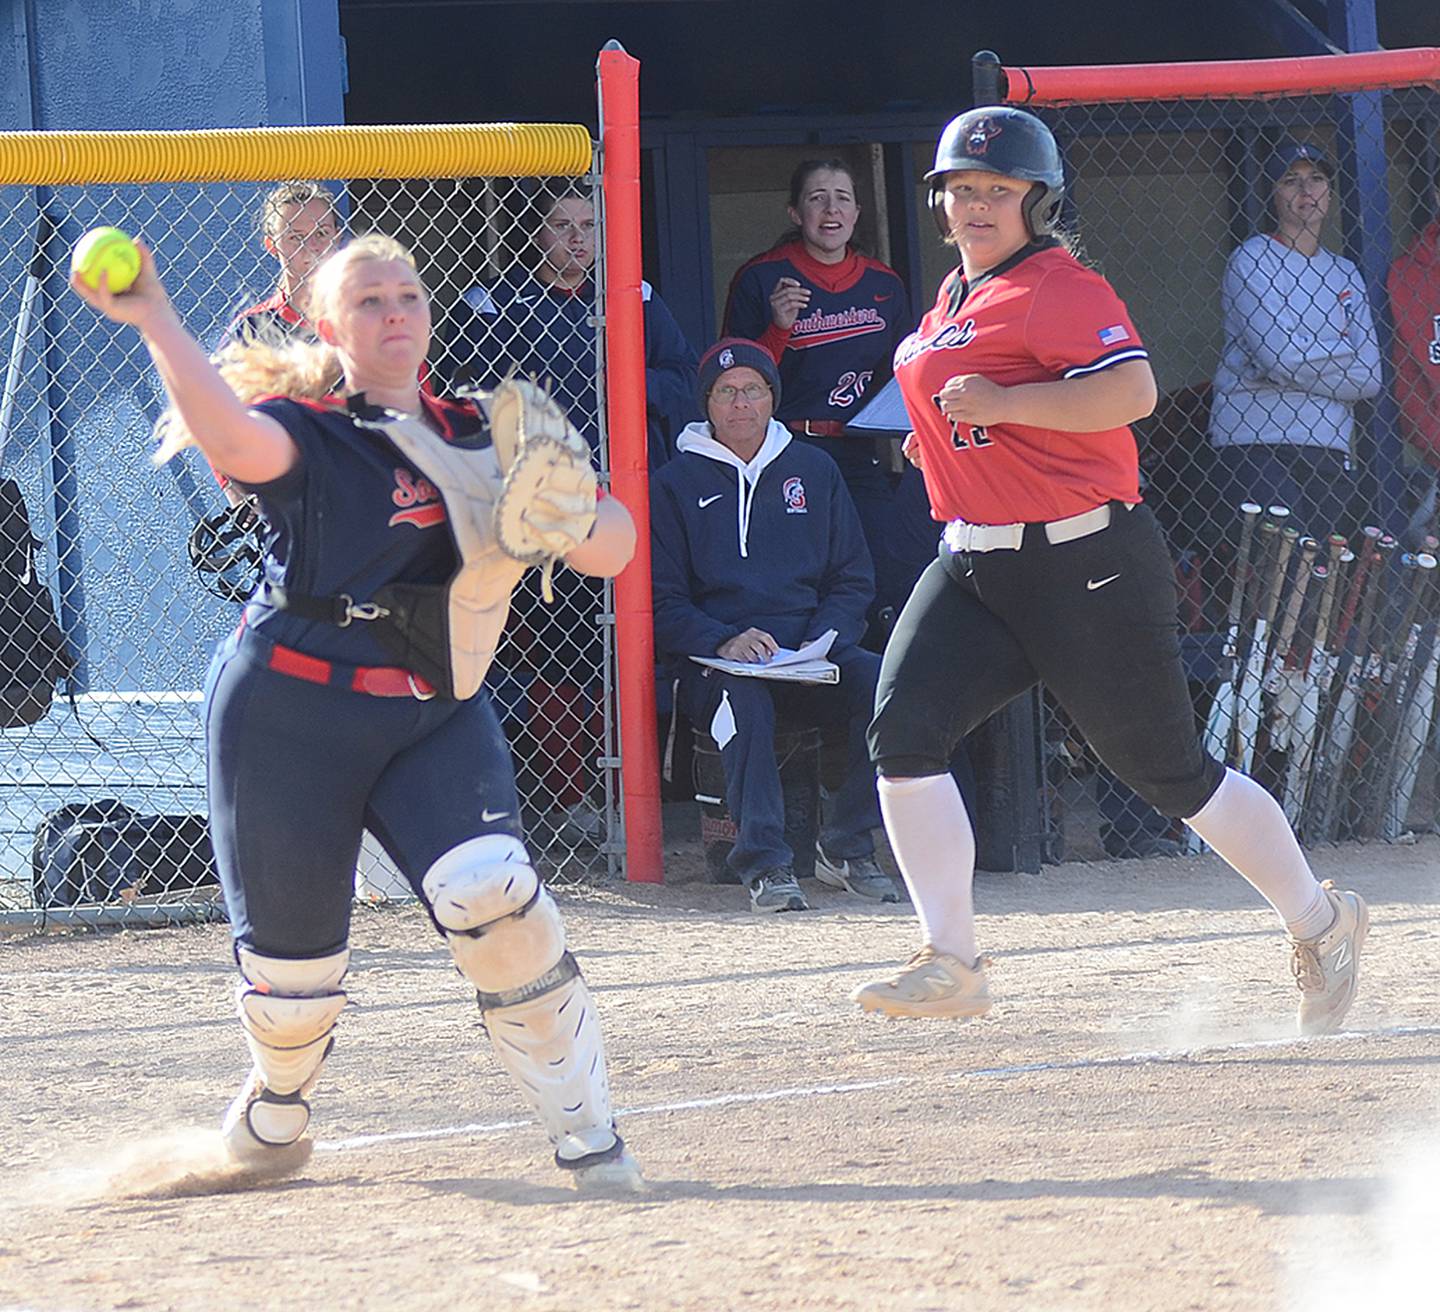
(376, 680)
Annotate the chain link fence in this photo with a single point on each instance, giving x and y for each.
(102, 793)
(1280, 258)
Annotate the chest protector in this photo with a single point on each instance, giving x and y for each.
(446, 633)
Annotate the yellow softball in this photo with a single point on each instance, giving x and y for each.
(108, 251)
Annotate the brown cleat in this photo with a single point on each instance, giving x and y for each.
(1327, 968)
(931, 983)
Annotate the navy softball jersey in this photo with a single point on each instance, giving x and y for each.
(840, 348)
(421, 772)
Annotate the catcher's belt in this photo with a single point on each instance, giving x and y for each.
(446, 633)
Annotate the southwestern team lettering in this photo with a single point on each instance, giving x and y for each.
(820, 329)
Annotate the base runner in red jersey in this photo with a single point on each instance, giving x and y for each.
(1020, 384)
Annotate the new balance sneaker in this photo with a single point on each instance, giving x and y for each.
(777, 890)
(931, 983)
(1327, 968)
(859, 875)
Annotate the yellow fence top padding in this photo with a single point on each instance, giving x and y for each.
(263, 154)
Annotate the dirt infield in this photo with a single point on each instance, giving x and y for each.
(1133, 1127)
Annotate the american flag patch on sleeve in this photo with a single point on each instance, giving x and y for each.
(1115, 333)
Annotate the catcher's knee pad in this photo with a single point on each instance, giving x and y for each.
(502, 925)
(288, 1007)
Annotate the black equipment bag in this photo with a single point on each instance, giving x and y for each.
(104, 852)
(34, 655)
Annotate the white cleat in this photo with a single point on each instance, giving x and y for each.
(617, 1176)
(599, 1162)
(283, 1120)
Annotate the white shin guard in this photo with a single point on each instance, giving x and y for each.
(548, 1037)
(507, 939)
(289, 1008)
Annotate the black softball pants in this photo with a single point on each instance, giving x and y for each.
(1093, 618)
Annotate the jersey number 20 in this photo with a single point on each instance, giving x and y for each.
(977, 438)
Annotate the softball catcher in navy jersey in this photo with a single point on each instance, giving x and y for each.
(391, 531)
(1020, 383)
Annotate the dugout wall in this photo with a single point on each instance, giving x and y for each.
(1318, 671)
(81, 398)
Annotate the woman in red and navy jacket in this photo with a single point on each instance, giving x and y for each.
(832, 318)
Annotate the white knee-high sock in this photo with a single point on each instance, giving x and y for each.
(1246, 826)
(934, 846)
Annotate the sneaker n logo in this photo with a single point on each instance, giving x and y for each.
(1341, 957)
(940, 986)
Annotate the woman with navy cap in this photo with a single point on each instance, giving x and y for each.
(1300, 351)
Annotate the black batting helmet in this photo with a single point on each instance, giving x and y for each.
(1002, 139)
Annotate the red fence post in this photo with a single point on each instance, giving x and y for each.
(619, 91)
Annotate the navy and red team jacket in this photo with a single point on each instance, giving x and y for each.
(840, 348)
(523, 323)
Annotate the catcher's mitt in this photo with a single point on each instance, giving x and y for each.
(546, 507)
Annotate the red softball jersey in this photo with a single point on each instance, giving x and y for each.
(1039, 317)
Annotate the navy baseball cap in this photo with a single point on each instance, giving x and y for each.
(736, 353)
(1289, 153)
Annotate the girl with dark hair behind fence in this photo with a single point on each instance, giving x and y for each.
(832, 317)
(537, 318)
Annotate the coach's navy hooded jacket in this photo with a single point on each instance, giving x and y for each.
(774, 545)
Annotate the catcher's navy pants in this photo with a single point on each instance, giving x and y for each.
(297, 769)
(752, 776)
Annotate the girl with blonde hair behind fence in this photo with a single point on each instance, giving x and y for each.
(314, 731)
(299, 225)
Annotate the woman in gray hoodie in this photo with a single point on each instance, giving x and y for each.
(1300, 351)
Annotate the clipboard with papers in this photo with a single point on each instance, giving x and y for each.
(807, 664)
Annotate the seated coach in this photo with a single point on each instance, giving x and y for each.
(757, 546)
